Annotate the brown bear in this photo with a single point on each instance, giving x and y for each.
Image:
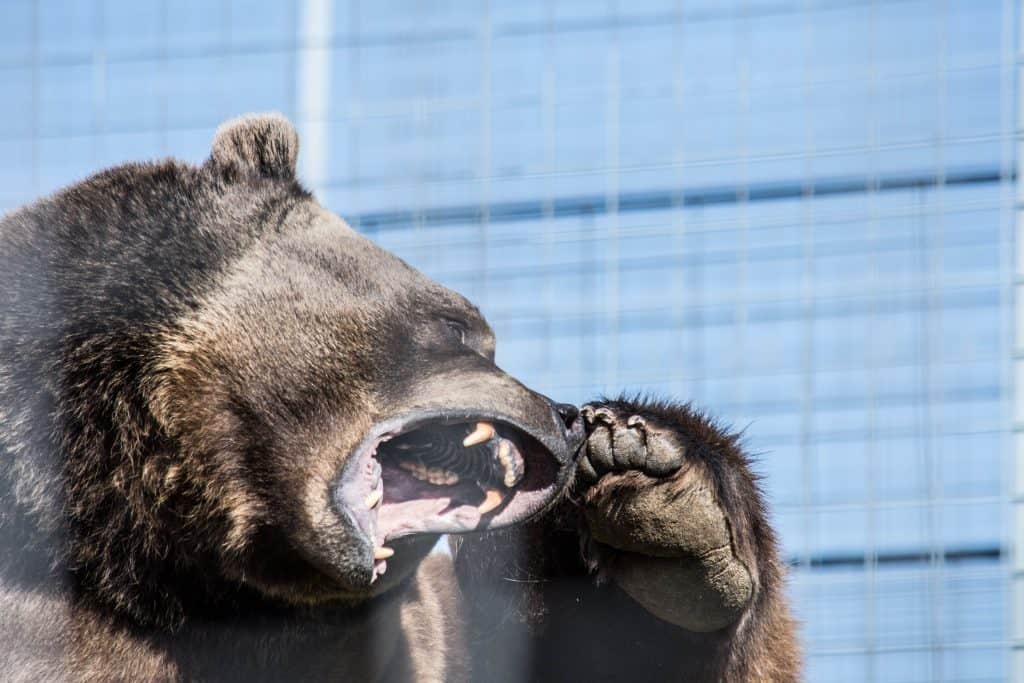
(232, 430)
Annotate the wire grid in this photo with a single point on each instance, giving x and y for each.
(821, 254)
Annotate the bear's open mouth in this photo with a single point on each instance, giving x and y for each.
(444, 476)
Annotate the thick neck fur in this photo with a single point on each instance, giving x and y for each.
(94, 276)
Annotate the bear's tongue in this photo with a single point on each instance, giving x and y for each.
(458, 473)
(409, 504)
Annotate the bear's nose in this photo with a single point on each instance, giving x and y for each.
(568, 412)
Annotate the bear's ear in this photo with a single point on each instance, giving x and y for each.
(258, 145)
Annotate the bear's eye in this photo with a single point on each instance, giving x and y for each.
(457, 329)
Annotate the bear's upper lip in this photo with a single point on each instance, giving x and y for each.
(386, 502)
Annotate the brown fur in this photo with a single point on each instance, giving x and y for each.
(577, 600)
(188, 357)
(432, 626)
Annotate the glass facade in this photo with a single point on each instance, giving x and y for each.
(798, 214)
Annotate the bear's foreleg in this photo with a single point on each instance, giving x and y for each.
(671, 513)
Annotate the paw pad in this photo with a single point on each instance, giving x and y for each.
(618, 443)
(594, 416)
(636, 422)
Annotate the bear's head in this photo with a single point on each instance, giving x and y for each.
(247, 394)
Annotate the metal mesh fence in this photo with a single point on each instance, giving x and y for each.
(797, 214)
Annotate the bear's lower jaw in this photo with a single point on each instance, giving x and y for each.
(437, 476)
(412, 506)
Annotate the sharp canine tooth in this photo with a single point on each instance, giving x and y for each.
(483, 432)
(492, 500)
(382, 553)
(374, 498)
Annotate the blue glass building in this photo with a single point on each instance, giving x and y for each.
(799, 214)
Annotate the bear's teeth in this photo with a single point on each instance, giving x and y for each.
(440, 477)
(374, 498)
(382, 553)
(503, 450)
(483, 432)
(492, 499)
(511, 462)
(431, 475)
